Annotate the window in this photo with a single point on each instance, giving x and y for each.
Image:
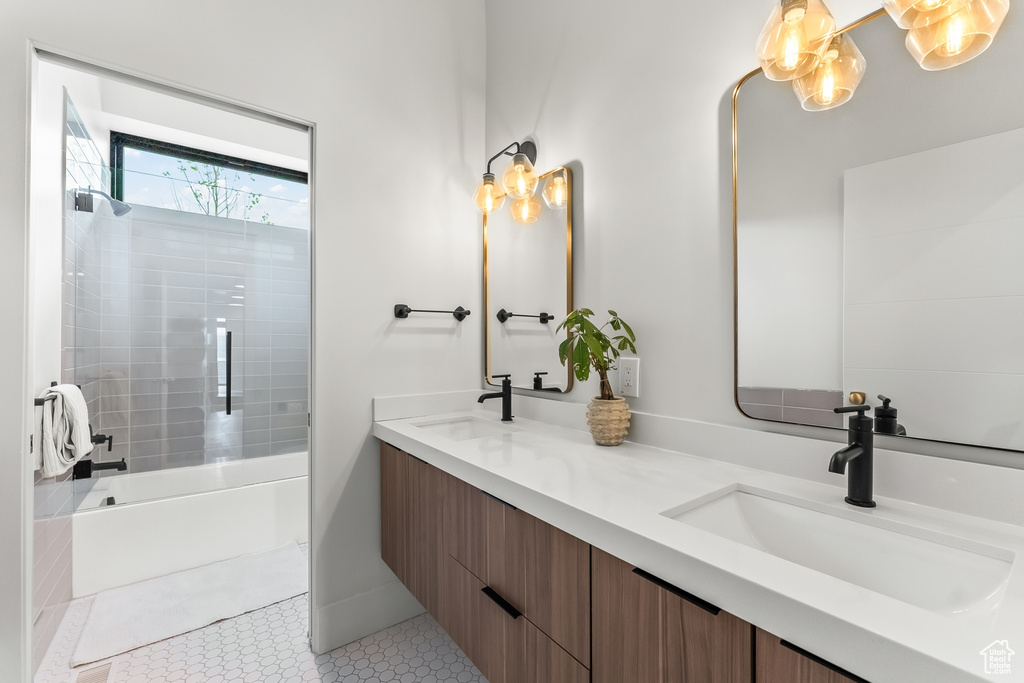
(153, 173)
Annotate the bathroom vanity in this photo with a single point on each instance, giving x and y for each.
(548, 558)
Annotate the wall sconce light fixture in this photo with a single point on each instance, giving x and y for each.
(519, 179)
(792, 42)
(834, 81)
(959, 37)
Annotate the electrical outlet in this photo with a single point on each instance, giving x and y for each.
(629, 377)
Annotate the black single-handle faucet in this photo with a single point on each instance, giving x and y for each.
(859, 456)
(505, 395)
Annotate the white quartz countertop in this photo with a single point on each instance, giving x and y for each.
(614, 498)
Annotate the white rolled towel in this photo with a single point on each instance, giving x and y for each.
(65, 437)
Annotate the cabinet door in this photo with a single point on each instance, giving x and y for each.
(410, 523)
(626, 622)
(394, 512)
(702, 647)
(465, 525)
(557, 585)
(425, 542)
(777, 663)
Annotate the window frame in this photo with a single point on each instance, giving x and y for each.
(119, 140)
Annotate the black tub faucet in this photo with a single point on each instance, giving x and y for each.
(505, 395)
(858, 456)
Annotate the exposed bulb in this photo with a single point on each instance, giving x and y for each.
(526, 210)
(794, 40)
(488, 198)
(520, 179)
(825, 90)
(956, 34)
(556, 192)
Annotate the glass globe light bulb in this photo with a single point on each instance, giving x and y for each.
(794, 38)
(520, 180)
(526, 210)
(836, 78)
(958, 38)
(488, 197)
(556, 192)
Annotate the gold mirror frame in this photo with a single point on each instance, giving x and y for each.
(568, 289)
(736, 216)
(992, 73)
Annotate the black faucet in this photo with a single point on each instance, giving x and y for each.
(885, 419)
(859, 455)
(505, 395)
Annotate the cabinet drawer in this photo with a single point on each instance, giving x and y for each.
(777, 663)
(535, 658)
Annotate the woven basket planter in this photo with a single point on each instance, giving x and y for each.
(608, 420)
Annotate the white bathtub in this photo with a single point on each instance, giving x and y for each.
(164, 522)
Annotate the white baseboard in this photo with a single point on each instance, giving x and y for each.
(360, 615)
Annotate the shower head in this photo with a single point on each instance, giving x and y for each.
(84, 203)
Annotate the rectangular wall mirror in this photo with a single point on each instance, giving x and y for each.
(879, 244)
(528, 289)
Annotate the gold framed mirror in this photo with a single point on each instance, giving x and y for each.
(528, 288)
(877, 244)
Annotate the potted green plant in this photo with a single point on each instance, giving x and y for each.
(590, 347)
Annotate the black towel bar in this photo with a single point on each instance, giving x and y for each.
(403, 311)
(504, 315)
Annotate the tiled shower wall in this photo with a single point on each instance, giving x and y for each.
(80, 345)
(171, 280)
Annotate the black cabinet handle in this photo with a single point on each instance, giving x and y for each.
(508, 505)
(675, 590)
(828, 665)
(227, 360)
(501, 602)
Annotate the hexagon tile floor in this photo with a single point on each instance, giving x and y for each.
(270, 645)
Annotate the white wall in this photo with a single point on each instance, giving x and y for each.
(397, 98)
(934, 299)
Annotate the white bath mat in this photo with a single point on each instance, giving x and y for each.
(125, 618)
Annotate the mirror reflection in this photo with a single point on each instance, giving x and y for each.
(528, 285)
(877, 246)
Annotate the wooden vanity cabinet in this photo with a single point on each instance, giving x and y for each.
(556, 597)
(649, 633)
(779, 662)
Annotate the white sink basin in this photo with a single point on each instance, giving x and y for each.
(944, 574)
(465, 428)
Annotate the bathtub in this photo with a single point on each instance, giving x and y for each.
(163, 522)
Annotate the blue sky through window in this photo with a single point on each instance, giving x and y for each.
(153, 179)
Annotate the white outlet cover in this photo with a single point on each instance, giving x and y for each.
(629, 377)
